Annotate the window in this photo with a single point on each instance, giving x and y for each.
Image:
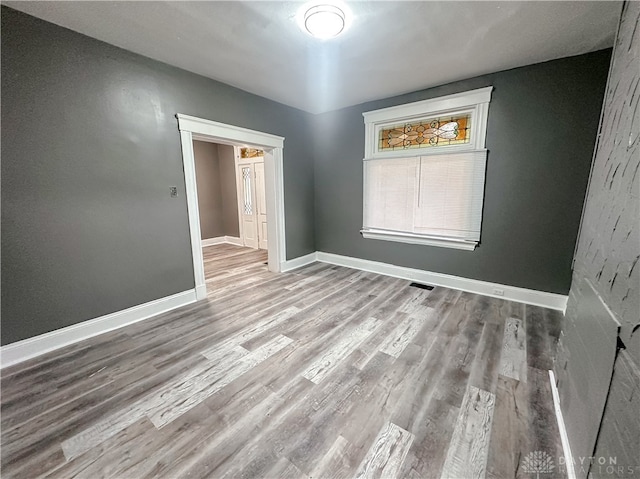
(424, 170)
(251, 152)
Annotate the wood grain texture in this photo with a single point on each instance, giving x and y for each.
(387, 453)
(513, 363)
(332, 357)
(400, 337)
(337, 462)
(510, 417)
(322, 372)
(486, 366)
(467, 455)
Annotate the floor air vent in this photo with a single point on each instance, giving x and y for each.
(422, 286)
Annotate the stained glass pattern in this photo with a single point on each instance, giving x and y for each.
(250, 153)
(246, 179)
(427, 133)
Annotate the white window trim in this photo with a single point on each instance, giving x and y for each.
(418, 239)
(475, 102)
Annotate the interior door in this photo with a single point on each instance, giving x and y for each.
(248, 212)
(261, 205)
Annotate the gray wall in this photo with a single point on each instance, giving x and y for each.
(541, 133)
(90, 147)
(608, 257)
(228, 190)
(209, 189)
(216, 182)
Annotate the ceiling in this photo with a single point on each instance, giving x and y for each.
(390, 47)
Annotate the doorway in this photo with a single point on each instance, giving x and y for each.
(192, 128)
(217, 193)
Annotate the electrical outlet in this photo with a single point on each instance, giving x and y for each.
(173, 191)
(498, 291)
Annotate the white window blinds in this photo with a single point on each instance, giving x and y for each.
(435, 196)
(424, 170)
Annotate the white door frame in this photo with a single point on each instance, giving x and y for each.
(192, 128)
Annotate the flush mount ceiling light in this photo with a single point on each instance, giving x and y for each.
(324, 21)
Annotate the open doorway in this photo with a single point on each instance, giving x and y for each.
(217, 191)
(232, 212)
(198, 129)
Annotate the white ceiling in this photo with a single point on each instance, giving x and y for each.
(390, 47)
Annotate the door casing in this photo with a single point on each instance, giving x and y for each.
(193, 128)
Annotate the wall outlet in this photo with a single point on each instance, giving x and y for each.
(173, 191)
(498, 291)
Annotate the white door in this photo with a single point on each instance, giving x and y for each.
(247, 204)
(261, 205)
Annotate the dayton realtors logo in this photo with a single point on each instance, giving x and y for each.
(538, 462)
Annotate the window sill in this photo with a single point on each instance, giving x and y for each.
(419, 239)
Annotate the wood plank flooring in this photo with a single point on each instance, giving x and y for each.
(321, 372)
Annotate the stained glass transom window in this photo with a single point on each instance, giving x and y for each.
(424, 171)
(250, 153)
(427, 133)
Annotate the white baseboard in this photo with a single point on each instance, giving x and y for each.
(511, 293)
(20, 351)
(233, 240)
(564, 437)
(201, 292)
(298, 262)
(212, 241)
(29, 348)
(221, 240)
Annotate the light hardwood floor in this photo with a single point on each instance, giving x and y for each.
(321, 372)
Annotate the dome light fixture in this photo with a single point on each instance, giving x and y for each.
(324, 21)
